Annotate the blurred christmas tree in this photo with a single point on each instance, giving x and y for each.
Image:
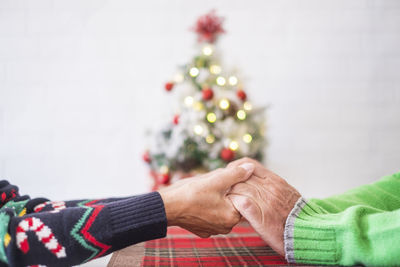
(215, 122)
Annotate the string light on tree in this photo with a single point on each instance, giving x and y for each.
(164, 169)
(241, 114)
(215, 69)
(210, 138)
(247, 138)
(224, 104)
(207, 50)
(198, 106)
(211, 117)
(247, 106)
(188, 101)
(233, 80)
(234, 145)
(194, 72)
(221, 81)
(198, 129)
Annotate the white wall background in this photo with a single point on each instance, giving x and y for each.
(81, 80)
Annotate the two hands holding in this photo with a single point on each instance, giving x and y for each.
(215, 202)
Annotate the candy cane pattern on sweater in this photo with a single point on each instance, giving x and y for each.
(57, 206)
(44, 234)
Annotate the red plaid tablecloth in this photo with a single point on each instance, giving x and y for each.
(242, 247)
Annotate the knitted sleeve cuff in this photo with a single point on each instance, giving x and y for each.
(137, 219)
(289, 230)
(308, 237)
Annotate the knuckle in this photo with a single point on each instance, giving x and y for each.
(217, 171)
(246, 203)
(275, 190)
(231, 220)
(250, 160)
(204, 235)
(240, 161)
(226, 231)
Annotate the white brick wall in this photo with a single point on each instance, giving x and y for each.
(81, 80)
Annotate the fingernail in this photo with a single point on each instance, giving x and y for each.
(247, 166)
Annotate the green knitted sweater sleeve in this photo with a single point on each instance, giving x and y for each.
(361, 226)
(383, 195)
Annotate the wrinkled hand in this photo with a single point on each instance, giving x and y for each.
(200, 205)
(265, 200)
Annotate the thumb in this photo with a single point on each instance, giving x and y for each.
(231, 176)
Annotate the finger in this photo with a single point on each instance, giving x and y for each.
(259, 169)
(247, 207)
(247, 190)
(231, 176)
(240, 189)
(241, 161)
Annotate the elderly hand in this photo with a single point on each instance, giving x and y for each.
(265, 200)
(200, 205)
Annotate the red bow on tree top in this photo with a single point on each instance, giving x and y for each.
(208, 27)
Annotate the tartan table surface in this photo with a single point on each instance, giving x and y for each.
(241, 247)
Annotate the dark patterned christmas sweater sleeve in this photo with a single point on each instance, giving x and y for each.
(64, 233)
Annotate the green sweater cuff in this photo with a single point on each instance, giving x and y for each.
(313, 244)
(360, 226)
(289, 230)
